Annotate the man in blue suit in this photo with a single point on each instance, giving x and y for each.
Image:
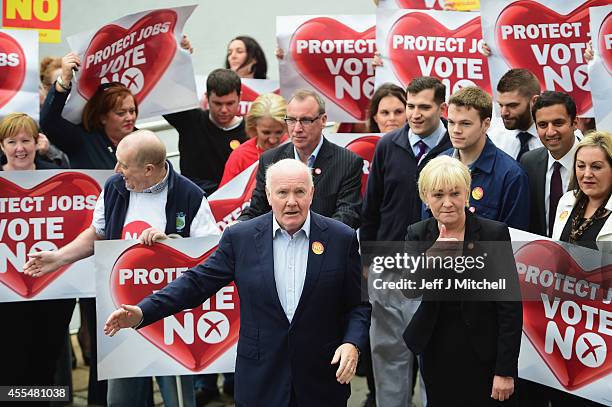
(298, 275)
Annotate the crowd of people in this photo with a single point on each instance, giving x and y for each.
(443, 171)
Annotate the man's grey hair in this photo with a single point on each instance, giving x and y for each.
(302, 94)
(287, 165)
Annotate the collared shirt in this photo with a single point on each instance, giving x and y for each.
(235, 123)
(567, 162)
(290, 261)
(508, 140)
(430, 141)
(159, 187)
(313, 155)
(499, 188)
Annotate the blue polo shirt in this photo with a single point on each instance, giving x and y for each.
(500, 187)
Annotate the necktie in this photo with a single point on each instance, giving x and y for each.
(421, 150)
(556, 191)
(311, 160)
(524, 137)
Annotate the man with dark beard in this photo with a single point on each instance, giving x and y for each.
(516, 92)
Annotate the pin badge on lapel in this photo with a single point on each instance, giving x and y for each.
(317, 171)
(317, 248)
(477, 193)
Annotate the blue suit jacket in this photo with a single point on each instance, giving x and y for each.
(274, 355)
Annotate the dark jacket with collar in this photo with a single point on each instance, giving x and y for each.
(494, 327)
(502, 187)
(337, 181)
(86, 150)
(391, 201)
(182, 205)
(276, 357)
(535, 164)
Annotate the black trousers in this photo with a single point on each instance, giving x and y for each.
(32, 339)
(453, 373)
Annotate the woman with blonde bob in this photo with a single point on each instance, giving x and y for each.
(469, 349)
(266, 128)
(35, 335)
(583, 215)
(18, 139)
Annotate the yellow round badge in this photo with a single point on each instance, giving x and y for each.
(563, 215)
(234, 144)
(317, 248)
(477, 193)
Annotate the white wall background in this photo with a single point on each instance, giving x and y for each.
(211, 26)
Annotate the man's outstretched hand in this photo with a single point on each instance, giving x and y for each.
(128, 316)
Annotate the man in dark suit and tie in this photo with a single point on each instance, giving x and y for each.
(336, 171)
(298, 275)
(549, 168)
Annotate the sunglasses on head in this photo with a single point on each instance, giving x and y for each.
(108, 85)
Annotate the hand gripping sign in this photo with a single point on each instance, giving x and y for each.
(600, 70)
(333, 56)
(443, 44)
(547, 37)
(250, 90)
(567, 315)
(198, 340)
(411, 4)
(460, 5)
(19, 72)
(142, 52)
(45, 210)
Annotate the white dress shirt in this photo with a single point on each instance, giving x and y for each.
(567, 162)
(508, 141)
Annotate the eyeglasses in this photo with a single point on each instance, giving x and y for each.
(304, 121)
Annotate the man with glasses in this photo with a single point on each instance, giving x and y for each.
(336, 171)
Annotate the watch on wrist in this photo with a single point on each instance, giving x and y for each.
(63, 84)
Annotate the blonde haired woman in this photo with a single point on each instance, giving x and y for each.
(583, 215)
(266, 128)
(469, 349)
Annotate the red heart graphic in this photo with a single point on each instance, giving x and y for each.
(315, 71)
(519, 53)
(199, 354)
(364, 147)
(420, 4)
(228, 210)
(140, 65)
(13, 68)
(29, 234)
(606, 53)
(572, 373)
(405, 62)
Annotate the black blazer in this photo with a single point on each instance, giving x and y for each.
(494, 327)
(337, 182)
(535, 163)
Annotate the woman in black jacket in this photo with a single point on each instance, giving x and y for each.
(469, 343)
(108, 117)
